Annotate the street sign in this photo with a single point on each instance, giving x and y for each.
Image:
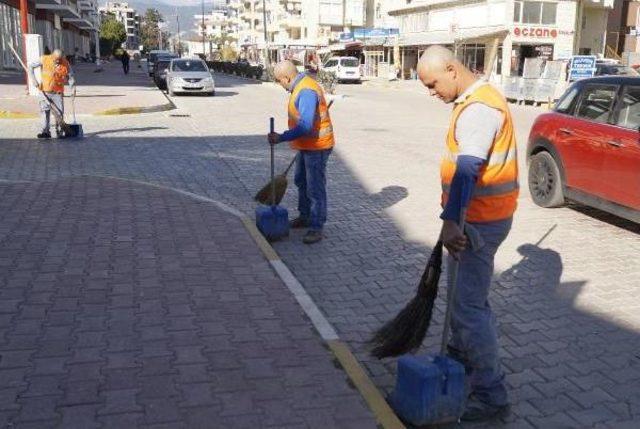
(582, 66)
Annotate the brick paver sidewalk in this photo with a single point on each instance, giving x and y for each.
(123, 305)
(96, 92)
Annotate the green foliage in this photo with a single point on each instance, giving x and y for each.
(328, 80)
(149, 30)
(112, 34)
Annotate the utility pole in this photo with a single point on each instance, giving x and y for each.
(24, 27)
(179, 42)
(266, 46)
(204, 52)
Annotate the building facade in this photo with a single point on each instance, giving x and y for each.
(517, 29)
(129, 18)
(70, 25)
(623, 28)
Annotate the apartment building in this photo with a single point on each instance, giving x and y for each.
(623, 28)
(70, 25)
(519, 29)
(129, 18)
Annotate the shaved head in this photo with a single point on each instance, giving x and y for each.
(444, 76)
(57, 54)
(285, 73)
(436, 58)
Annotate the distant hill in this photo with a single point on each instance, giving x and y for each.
(185, 9)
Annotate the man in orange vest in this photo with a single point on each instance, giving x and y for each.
(56, 72)
(479, 172)
(311, 133)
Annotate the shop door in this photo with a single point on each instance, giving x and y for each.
(372, 60)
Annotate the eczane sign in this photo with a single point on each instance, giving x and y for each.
(535, 32)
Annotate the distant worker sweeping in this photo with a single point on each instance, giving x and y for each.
(311, 133)
(479, 172)
(56, 73)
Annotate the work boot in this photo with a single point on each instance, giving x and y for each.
(478, 411)
(312, 236)
(44, 135)
(298, 223)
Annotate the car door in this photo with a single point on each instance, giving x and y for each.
(582, 136)
(622, 151)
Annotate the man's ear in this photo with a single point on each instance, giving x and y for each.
(451, 68)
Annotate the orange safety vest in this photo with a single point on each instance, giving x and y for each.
(496, 192)
(54, 76)
(322, 136)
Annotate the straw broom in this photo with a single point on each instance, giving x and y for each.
(407, 330)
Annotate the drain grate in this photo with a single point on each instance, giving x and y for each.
(179, 115)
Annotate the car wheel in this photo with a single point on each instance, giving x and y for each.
(211, 94)
(545, 182)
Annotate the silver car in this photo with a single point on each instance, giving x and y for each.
(190, 75)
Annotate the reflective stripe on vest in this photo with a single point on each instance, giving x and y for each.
(488, 191)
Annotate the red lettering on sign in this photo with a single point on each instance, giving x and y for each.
(535, 32)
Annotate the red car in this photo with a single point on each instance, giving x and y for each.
(587, 149)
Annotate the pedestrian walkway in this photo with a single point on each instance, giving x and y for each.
(125, 305)
(110, 91)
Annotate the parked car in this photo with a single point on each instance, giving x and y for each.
(587, 150)
(160, 74)
(346, 69)
(610, 69)
(152, 57)
(162, 57)
(190, 75)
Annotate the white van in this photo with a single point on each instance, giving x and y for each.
(346, 69)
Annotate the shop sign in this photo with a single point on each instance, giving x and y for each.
(536, 32)
(368, 33)
(582, 66)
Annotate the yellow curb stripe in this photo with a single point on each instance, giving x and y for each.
(135, 110)
(374, 399)
(5, 114)
(262, 243)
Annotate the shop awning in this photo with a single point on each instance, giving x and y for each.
(63, 10)
(345, 46)
(80, 23)
(449, 38)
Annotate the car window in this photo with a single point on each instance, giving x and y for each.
(596, 102)
(567, 100)
(349, 62)
(629, 114)
(189, 66)
(331, 63)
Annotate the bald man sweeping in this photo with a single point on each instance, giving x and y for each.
(311, 133)
(479, 172)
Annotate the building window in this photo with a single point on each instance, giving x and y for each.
(535, 12)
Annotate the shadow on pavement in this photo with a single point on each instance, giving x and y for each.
(563, 363)
(121, 130)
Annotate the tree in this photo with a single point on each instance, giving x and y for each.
(112, 34)
(150, 30)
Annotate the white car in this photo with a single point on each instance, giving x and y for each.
(189, 75)
(346, 69)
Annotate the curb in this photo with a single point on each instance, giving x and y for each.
(374, 399)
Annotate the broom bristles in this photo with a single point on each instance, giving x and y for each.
(264, 196)
(405, 332)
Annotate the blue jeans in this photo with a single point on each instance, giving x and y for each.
(311, 180)
(474, 339)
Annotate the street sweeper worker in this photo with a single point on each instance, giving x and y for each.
(479, 171)
(56, 72)
(311, 133)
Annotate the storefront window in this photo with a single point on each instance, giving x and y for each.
(535, 12)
